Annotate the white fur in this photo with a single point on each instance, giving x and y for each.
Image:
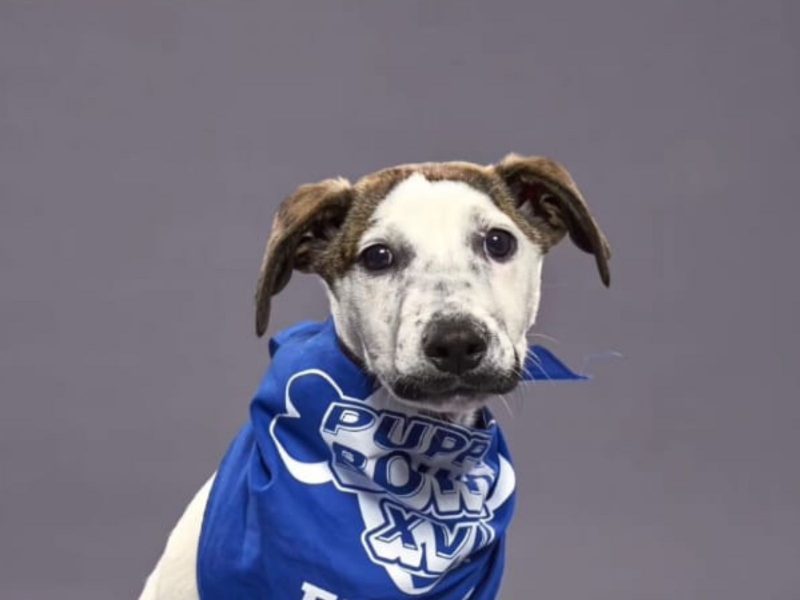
(175, 577)
(381, 317)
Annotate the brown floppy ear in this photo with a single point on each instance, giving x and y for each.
(304, 224)
(548, 197)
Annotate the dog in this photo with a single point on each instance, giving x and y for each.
(433, 273)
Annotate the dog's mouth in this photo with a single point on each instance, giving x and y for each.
(439, 389)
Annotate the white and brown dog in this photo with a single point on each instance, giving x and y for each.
(433, 273)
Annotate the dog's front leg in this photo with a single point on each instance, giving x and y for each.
(175, 574)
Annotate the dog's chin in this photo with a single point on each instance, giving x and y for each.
(449, 394)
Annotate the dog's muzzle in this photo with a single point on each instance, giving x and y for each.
(455, 349)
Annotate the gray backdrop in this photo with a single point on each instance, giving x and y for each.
(144, 146)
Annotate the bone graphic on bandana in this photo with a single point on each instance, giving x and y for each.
(424, 491)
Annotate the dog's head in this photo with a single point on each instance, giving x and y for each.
(433, 270)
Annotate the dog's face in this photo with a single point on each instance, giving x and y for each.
(434, 270)
(444, 290)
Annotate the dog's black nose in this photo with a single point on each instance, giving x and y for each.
(454, 345)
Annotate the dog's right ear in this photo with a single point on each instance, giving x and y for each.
(304, 225)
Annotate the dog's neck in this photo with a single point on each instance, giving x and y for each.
(468, 418)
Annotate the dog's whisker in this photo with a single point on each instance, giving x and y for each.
(533, 356)
(507, 406)
(544, 336)
(522, 371)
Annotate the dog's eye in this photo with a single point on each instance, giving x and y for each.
(499, 244)
(376, 257)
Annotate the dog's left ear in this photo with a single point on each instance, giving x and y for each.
(547, 196)
(303, 226)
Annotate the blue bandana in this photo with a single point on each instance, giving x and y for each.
(333, 491)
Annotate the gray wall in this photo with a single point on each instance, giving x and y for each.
(144, 146)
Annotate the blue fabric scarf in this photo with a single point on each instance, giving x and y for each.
(334, 492)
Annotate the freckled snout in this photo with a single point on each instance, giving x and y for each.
(454, 345)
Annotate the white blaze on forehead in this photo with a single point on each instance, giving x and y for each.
(435, 215)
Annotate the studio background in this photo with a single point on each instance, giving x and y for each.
(145, 145)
